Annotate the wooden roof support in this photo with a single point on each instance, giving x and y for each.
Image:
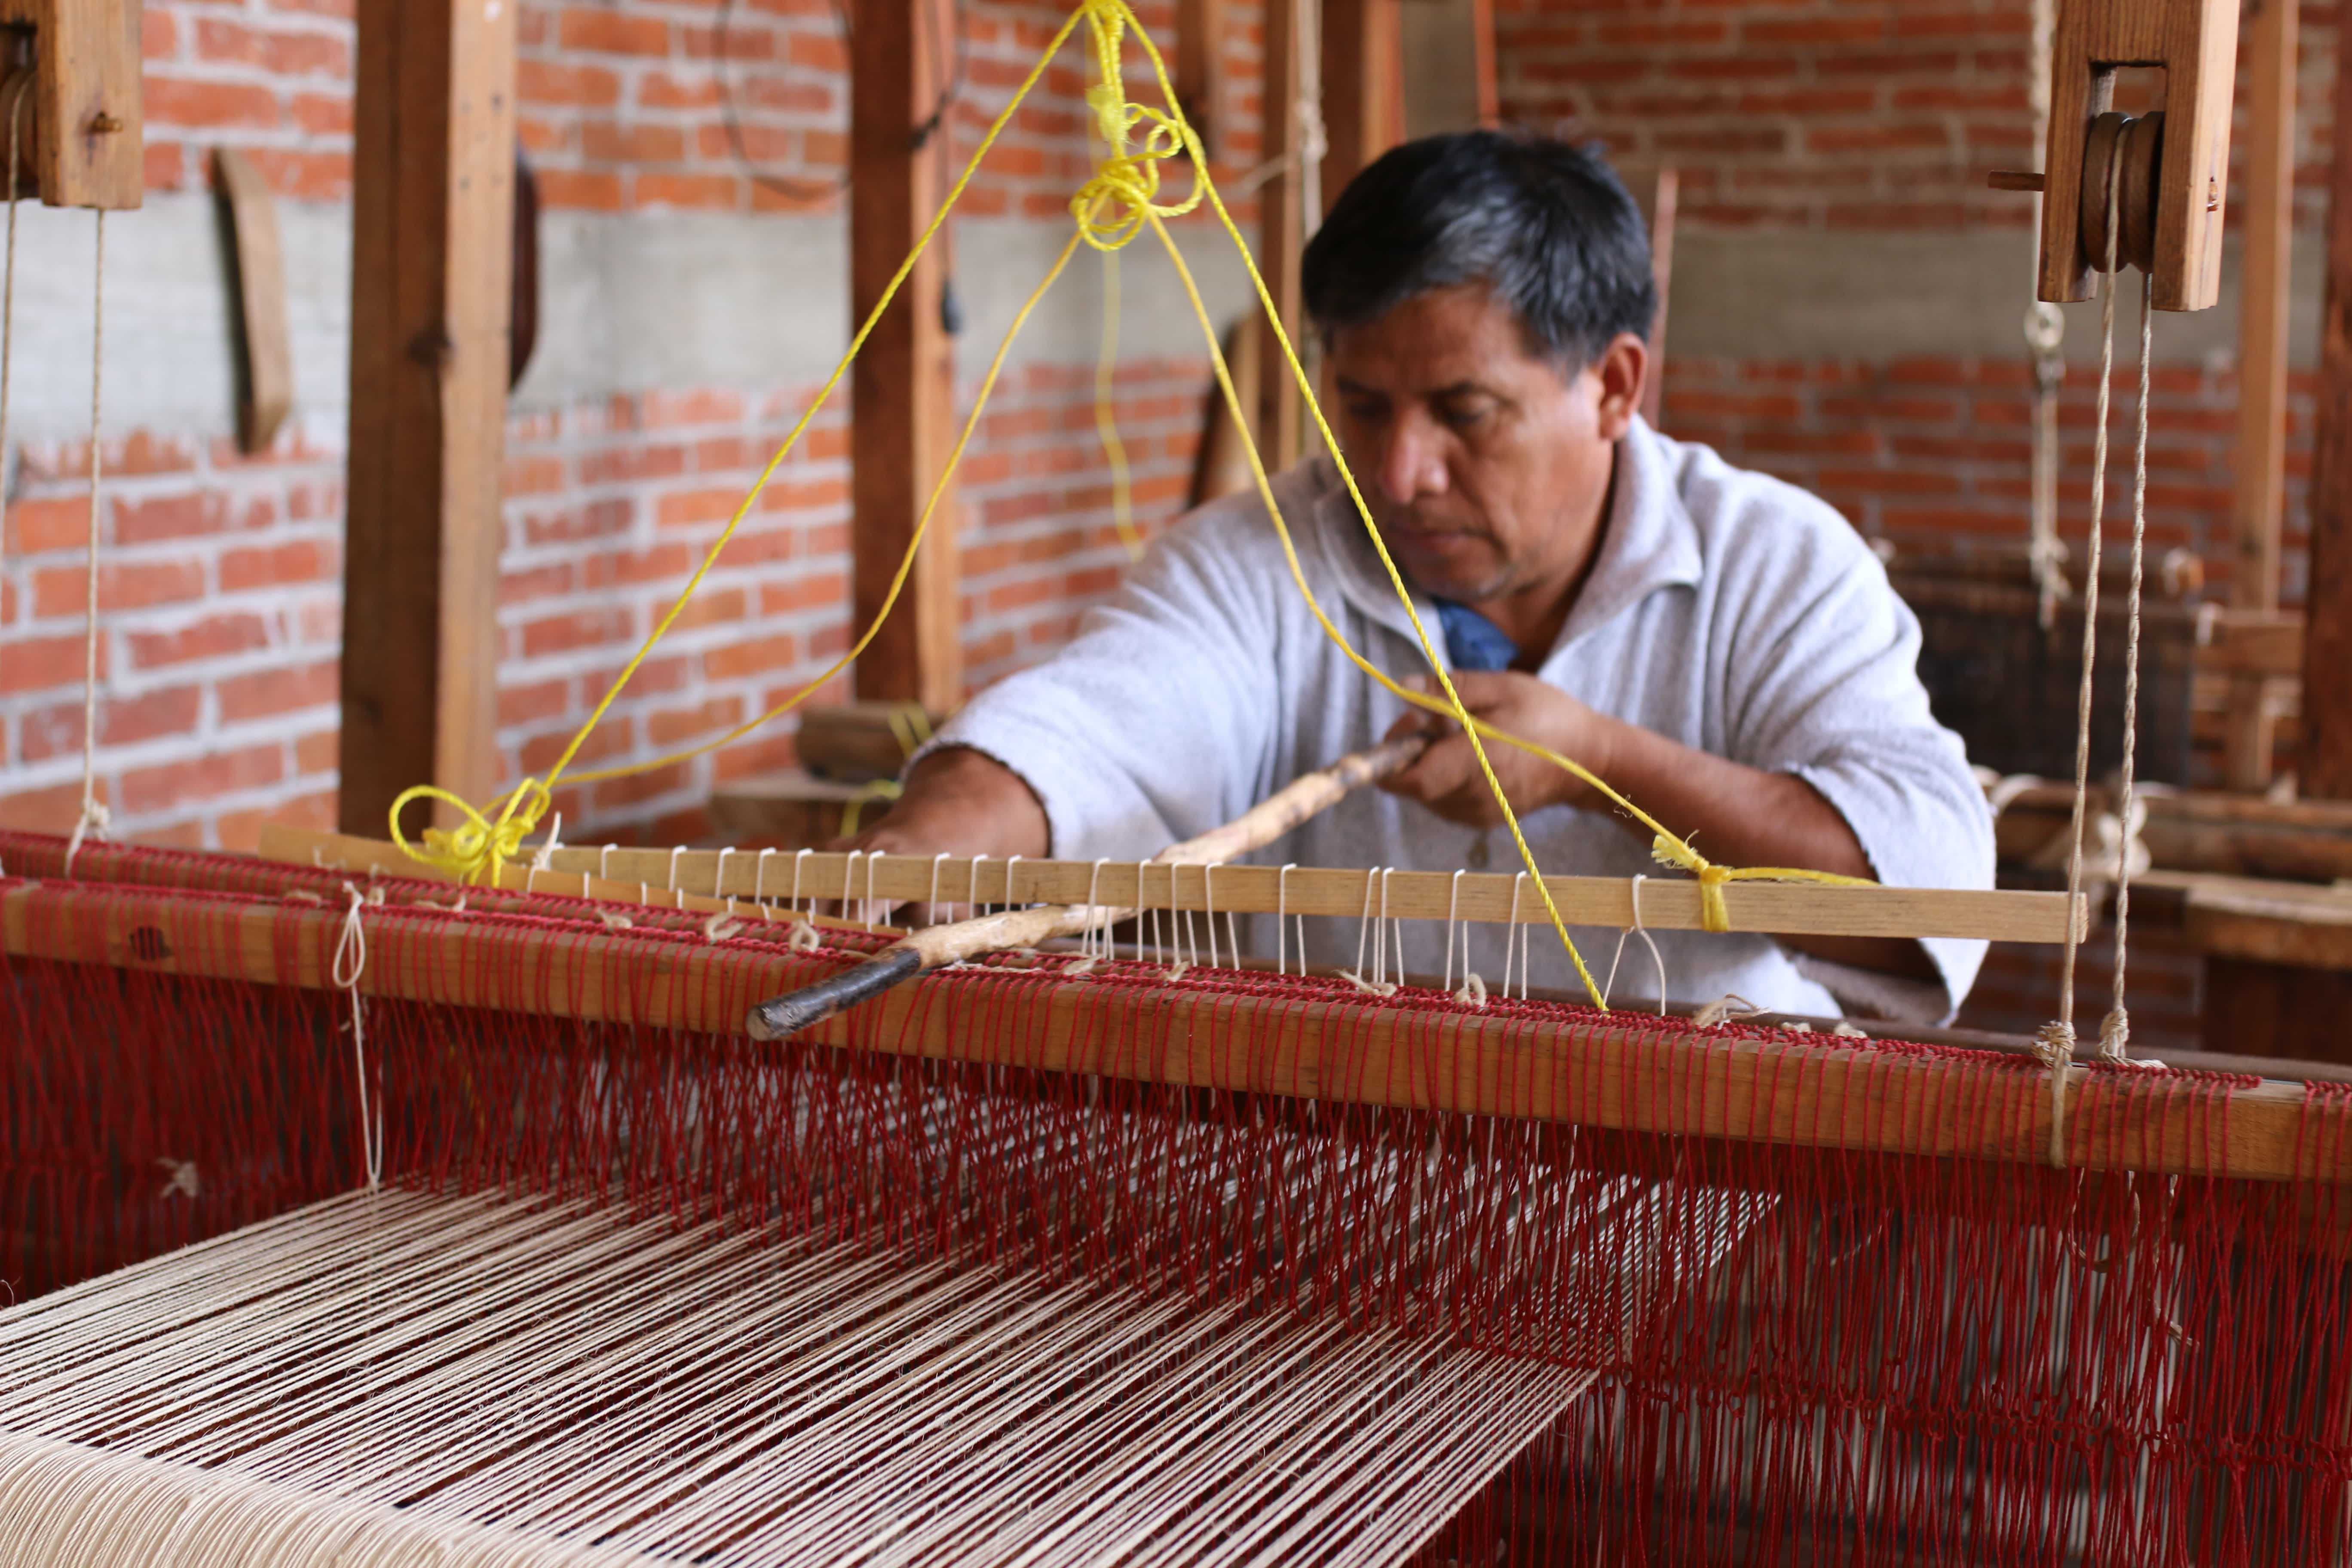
(1199, 71)
(1363, 88)
(2326, 767)
(432, 245)
(902, 421)
(2272, 34)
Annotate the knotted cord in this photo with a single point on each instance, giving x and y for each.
(1117, 202)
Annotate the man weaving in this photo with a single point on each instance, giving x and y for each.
(1718, 646)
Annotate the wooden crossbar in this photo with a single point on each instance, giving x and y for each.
(1667, 902)
(1614, 1070)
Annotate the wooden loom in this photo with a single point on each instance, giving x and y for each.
(1023, 1263)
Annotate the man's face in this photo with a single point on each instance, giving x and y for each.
(1485, 467)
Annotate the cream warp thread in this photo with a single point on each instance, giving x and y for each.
(350, 963)
(94, 814)
(1609, 988)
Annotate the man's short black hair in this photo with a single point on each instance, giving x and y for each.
(1547, 226)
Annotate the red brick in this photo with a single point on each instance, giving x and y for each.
(122, 722)
(277, 52)
(266, 693)
(299, 561)
(322, 114)
(806, 592)
(136, 586)
(575, 630)
(609, 141)
(37, 526)
(697, 191)
(679, 726)
(214, 637)
(682, 508)
(576, 86)
(42, 664)
(209, 105)
(53, 808)
(597, 31)
(580, 190)
(201, 778)
(757, 656)
(317, 752)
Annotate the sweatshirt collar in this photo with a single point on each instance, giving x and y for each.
(1652, 543)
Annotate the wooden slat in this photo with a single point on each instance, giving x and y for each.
(1200, 69)
(1363, 88)
(1282, 233)
(1607, 1072)
(1665, 199)
(2271, 923)
(2324, 764)
(1793, 908)
(2263, 645)
(1484, 83)
(903, 384)
(265, 394)
(431, 238)
(2259, 501)
(87, 122)
(2194, 831)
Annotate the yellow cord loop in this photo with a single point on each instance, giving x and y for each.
(478, 847)
(1121, 198)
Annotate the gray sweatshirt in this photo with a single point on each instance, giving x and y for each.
(1727, 610)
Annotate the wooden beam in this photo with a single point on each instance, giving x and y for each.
(2192, 831)
(432, 237)
(1338, 1047)
(1665, 199)
(1282, 231)
(1363, 88)
(1796, 909)
(2259, 506)
(2325, 765)
(85, 124)
(1484, 77)
(903, 385)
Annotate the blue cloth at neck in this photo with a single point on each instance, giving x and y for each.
(1473, 642)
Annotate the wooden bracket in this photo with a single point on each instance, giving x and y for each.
(2183, 163)
(82, 138)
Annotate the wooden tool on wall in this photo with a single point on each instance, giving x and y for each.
(82, 129)
(265, 393)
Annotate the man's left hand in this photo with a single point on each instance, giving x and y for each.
(1446, 779)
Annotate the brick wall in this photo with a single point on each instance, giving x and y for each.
(221, 600)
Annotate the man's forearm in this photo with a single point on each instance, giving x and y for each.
(1740, 816)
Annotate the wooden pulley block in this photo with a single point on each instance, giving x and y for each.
(2175, 166)
(2121, 158)
(77, 64)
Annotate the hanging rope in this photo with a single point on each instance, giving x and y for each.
(93, 818)
(2045, 333)
(2115, 1031)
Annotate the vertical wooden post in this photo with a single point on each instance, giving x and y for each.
(432, 232)
(1282, 233)
(903, 385)
(1363, 88)
(2260, 505)
(1484, 80)
(2325, 769)
(1200, 69)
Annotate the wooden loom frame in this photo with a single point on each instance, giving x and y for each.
(1629, 1072)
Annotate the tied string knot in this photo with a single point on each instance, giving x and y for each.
(477, 848)
(1713, 914)
(1120, 199)
(2053, 1047)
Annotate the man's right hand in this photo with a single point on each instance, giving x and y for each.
(959, 802)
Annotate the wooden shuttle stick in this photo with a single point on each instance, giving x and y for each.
(938, 946)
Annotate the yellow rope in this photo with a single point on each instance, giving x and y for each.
(1111, 209)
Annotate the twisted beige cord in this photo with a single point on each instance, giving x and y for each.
(93, 812)
(2114, 1032)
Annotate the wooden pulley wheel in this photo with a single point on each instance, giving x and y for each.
(2135, 145)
